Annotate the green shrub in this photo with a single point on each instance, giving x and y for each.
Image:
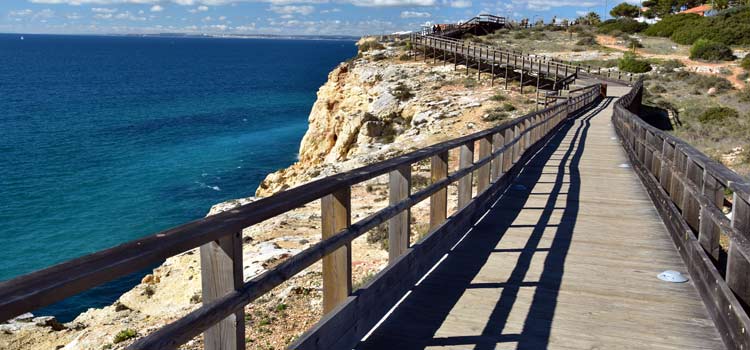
(667, 26)
(587, 41)
(631, 63)
(538, 36)
(708, 50)
(730, 27)
(717, 115)
(625, 25)
(521, 35)
(404, 57)
(704, 82)
(508, 107)
(124, 335)
(745, 63)
(498, 97)
(496, 114)
(370, 45)
(469, 83)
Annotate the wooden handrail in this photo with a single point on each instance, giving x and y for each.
(41, 288)
(688, 188)
(548, 61)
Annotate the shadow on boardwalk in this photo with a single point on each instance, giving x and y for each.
(415, 323)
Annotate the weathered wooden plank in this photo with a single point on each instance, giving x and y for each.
(466, 159)
(498, 140)
(337, 266)
(483, 174)
(221, 274)
(398, 226)
(709, 233)
(439, 200)
(738, 267)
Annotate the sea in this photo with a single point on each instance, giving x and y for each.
(105, 139)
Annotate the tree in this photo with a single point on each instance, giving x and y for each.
(625, 10)
(591, 18)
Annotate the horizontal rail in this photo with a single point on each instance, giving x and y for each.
(270, 279)
(689, 188)
(44, 287)
(41, 288)
(463, 46)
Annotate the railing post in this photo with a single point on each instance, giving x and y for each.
(222, 273)
(709, 233)
(508, 153)
(337, 267)
(398, 226)
(523, 66)
(483, 174)
(439, 200)
(479, 63)
(497, 163)
(738, 268)
(466, 159)
(492, 80)
(517, 132)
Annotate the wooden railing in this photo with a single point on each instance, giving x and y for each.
(689, 189)
(501, 152)
(491, 56)
(448, 29)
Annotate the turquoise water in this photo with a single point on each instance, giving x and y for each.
(106, 139)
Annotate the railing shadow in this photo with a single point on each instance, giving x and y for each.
(416, 321)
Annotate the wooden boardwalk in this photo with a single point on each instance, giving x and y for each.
(566, 259)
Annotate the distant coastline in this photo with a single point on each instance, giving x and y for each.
(210, 36)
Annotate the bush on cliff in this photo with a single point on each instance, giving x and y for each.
(708, 50)
(370, 45)
(630, 63)
(718, 115)
(730, 27)
(625, 25)
(746, 63)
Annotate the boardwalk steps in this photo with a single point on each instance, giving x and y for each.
(686, 187)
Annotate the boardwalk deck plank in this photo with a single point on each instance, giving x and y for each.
(567, 262)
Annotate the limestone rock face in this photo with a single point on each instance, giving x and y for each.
(362, 115)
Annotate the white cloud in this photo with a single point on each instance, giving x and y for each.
(103, 10)
(414, 14)
(457, 3)
(20, 13)
(157, 8)
(291, 10)
(392, 3)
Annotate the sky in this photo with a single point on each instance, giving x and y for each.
(295, 17)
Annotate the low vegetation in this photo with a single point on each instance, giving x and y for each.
(370, 45)
(745, 63)
(622, 25)
(124, 335)
(704, 49)
(729, 27)
(632, 64)
(718, 115)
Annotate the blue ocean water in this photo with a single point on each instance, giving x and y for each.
(107, 139)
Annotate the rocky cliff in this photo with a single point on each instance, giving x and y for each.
(376, 106)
